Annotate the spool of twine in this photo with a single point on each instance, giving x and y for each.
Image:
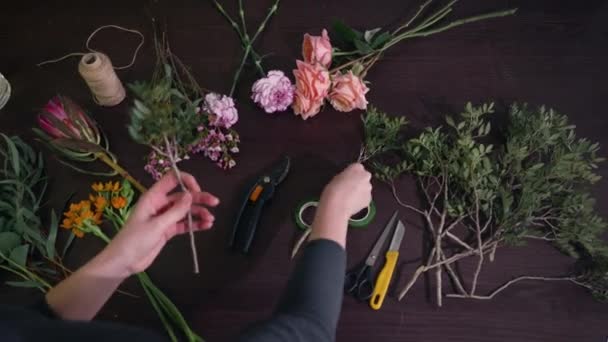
(97, 71)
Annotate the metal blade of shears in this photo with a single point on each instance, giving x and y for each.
(373, 255)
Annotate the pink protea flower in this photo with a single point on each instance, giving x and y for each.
(274, 93)
(221, 110)
(62, 118)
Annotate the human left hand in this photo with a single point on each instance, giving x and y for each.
(158, 216)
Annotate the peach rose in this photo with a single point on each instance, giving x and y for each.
(317, 49)
(348, 93)
(312, 86)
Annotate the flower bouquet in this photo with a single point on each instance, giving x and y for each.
(195, 120)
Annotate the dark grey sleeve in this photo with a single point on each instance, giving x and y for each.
(311, 304)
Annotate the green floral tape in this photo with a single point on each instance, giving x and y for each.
(363, 222)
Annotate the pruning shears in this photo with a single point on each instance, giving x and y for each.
(258, 194)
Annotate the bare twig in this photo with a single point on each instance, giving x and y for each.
(479, 244)
(453, 275)
(300, 241)
(513, 281)
(458, 241)
(394, 189)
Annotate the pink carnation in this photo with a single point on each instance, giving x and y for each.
(274, 92)
(221, 109)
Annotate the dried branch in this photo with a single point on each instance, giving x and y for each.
(513, 281)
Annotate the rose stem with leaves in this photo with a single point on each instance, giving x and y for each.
(368, 60)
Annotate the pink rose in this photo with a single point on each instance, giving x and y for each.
(312, 86)
(317, 49)
(348, 93)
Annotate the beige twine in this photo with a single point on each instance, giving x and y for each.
(96, 69)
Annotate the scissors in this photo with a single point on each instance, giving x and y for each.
(359, 282)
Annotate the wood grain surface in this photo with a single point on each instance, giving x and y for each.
(552, 52)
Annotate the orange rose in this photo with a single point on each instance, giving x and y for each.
(348, 93)
(317, 49)
(312, 86)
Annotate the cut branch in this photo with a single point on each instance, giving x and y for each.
(513, 281)
(178, 175)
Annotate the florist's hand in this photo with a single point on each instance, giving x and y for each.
(350, 191)
(157, 217)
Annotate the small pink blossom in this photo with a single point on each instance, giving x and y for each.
(221, 110)
(274, 93)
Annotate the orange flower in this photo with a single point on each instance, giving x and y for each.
(99, 202)
(113, 187)
(78, 215)
(119, 202)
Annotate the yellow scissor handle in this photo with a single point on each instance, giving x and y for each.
(384, 280)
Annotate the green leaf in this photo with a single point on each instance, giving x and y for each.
(345, 33)
(369, 34)
(363, 47)
(24, 283)
(8, 241)
(13, 154)
(380, 40)
(450, 121)
(19, 255)
(68, 244)
(52, 238)
(77, 145)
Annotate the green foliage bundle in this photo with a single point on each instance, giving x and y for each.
(533, 185)
(27, 249)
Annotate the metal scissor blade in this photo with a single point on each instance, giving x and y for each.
(397, 237)
(373, 255)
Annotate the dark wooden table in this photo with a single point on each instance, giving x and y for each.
(551, 52)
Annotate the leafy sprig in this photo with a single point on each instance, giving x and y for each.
(27, 247)
(477, 196)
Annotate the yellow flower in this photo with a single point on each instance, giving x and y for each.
(113, 187)
(98, 187)
(119, 202)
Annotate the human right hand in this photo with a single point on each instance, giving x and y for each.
(345, 195)
(350, 191)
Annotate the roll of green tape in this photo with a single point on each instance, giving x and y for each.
(363, 222)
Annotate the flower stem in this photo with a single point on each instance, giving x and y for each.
(237, 75)
(106, 159)
(178, 175)
(154, 301)
(371, 58)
